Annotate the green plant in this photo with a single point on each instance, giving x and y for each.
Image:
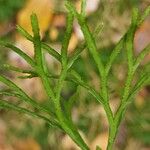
(61, 117)
(9, 8)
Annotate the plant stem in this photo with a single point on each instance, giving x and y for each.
(112, 135)
(64, 122)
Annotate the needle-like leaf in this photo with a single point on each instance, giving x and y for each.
(130, 38)
(16, 69)
(19, 52)
(83, 8)
(67, 37)
(20, 93)
(46, 47)
(141, 56)
(6, 105)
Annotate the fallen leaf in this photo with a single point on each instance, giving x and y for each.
(28, 144)
(43, 10)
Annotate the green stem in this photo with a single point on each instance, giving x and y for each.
(108, 112)
(127, 86)
(65, 123)
(112, 135)
(104, 87)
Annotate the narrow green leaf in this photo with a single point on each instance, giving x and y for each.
(16, 69)
(67, 37)
(75, 77)
(9, 93)
(90, 41)
(46, 47)
(51, 51)
(145, 15)
(98, 30)
(71, 8)
(76, 54)
(36, 40)
(146, 68)
(23, 32)
(19, 52)
(70, 102)
(114, 54)
(80, 49)
(130, 38)
(39, 57)
(9, 83)
(83, 8)
(35, 26)
(21, 93)
(130, 58)
(141, 56)
(6, 105)
(119, 45)
(135, 17)
(144, 80)
(91, 45)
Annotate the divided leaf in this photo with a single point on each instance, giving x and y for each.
(130, 38)
(46, 47)
(143, 81)
(67, 37)
(19, 52)
(21, 94)
(6, 105)
(83, 8)
(141, 56)
(70, 102)
(146, 13)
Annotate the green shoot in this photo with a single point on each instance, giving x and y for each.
(61, 116)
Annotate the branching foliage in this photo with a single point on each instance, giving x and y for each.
(62, 117)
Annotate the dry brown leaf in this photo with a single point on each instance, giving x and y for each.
(28, 144)
(43, 9)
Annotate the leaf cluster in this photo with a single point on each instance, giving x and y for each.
(61, 117)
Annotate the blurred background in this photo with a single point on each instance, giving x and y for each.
(20, 132)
